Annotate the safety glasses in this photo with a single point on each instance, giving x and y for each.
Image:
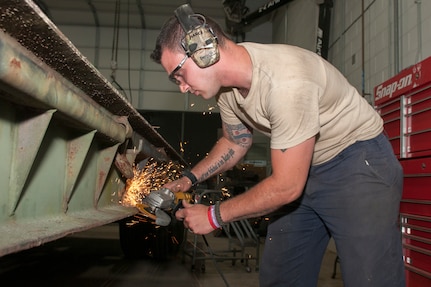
(172, 74)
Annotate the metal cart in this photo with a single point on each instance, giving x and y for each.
(240, 236)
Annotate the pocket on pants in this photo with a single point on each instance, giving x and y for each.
(383, 165)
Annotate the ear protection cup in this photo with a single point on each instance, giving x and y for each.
(202, 46)
(200, 42)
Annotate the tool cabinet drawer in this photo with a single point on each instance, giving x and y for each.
(404, 103)
(415, 220)
(416, 236)
(417, 179)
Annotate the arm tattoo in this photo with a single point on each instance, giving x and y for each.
(239, 134)
(224, 158)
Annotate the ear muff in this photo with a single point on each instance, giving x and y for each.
(200, 42)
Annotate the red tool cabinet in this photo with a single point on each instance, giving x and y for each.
(404, 102)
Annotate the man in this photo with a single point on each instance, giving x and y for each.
(333, 171)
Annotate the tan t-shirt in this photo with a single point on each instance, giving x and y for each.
(294, 95)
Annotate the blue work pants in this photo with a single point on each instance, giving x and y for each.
(355, 199)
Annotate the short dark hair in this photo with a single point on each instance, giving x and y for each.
(172, 34)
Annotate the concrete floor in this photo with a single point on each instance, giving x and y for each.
(94, 258)
(240, 275)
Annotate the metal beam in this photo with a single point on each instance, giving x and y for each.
(25, 73)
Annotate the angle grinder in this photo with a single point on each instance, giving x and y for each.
(158, 203)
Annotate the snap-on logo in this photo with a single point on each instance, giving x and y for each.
(389, 89)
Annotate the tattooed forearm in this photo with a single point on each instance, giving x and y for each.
(212, 169)
(239, 134)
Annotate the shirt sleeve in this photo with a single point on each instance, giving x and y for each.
(227, 113)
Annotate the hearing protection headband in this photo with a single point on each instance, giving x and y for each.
(200, 42)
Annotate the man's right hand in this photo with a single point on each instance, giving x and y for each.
(181, 184)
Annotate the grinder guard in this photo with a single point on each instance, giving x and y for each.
(156, 205)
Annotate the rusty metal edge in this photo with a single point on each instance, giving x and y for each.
(24, 21)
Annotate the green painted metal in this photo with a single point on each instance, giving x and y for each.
(55, 179)
(77, 150)
(26, 73)
(56, 176)
(57, 147)
(28, 134)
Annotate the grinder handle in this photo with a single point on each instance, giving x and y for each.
(179, 197)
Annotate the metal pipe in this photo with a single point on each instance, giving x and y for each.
(24, 72)
(97, 40)
(396, 37)
(24, 21)
(419, 29)
(400, 22)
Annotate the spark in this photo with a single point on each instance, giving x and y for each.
(153, 176)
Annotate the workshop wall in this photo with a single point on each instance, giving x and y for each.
(144, 83)
(370, 41)
(395, 35)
